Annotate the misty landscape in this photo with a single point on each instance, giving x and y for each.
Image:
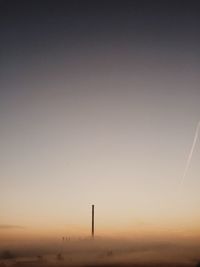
(102, 252)
(99, 133)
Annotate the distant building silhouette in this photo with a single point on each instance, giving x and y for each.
(92, 221)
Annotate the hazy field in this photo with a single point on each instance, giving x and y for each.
(103, 253)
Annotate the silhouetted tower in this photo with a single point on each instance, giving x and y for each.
(92, 221)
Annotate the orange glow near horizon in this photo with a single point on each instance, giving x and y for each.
(137, 231)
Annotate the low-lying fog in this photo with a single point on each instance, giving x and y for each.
(100, 251)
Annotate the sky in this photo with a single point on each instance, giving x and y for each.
(99, 102)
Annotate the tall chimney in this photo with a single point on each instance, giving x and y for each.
(92, 221)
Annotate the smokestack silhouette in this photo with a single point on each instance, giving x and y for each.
(92, 221)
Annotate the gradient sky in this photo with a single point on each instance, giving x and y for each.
(99, 101)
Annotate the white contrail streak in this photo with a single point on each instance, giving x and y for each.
(190, 154)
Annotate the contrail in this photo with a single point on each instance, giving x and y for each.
(190, 154)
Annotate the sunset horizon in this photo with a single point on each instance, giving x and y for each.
(100, 105)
